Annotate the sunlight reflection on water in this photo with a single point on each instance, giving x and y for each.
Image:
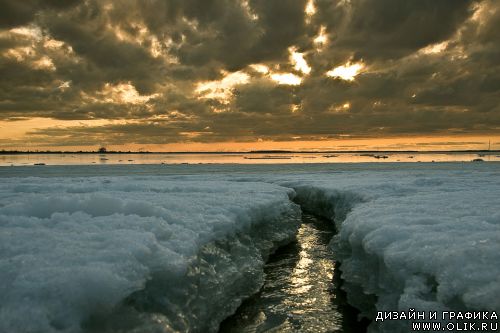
(298, 294)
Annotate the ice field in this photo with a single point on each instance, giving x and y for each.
(177, 248)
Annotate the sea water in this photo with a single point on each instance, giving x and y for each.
(239, 158)
(302, 291)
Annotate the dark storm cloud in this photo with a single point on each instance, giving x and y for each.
(111, 134)
(226, 31)
(86, 31)
(391, 28)
(263, 96)
(143, 63)
(15, 13)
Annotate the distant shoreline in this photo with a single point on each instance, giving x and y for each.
(482, 151)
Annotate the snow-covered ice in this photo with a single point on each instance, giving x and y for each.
(426, 239)
(180, 251)
(73, 249)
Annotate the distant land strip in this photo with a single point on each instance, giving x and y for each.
(479, 151)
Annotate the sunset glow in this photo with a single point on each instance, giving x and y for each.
(346, 72)
(221, 89)
(286, 78)
(218, 166)
(299, 62)
(139, 75)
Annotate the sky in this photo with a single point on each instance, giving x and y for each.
(185, 75)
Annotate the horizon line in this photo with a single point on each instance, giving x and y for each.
(265, 151)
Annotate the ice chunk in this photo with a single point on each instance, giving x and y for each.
(98, 252)
(427, 239)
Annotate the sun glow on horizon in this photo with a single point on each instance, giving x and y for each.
(341, 142)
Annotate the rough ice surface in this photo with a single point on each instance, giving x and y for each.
(75, 251)
(422, 239)
(179, 252)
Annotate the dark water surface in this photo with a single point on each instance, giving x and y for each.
(300, 293)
